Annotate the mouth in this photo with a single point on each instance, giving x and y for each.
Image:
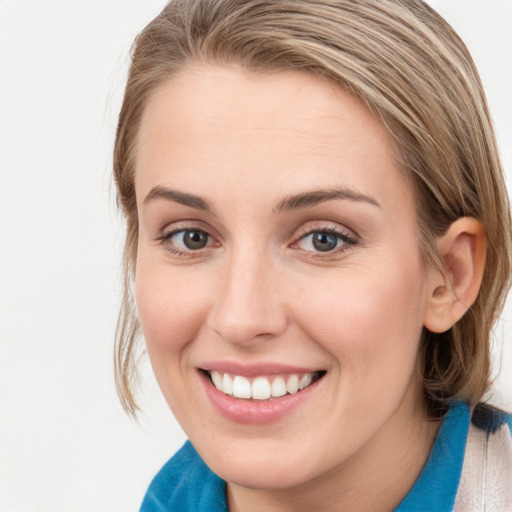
(262, 387)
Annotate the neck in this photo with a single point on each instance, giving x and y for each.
(374, 479)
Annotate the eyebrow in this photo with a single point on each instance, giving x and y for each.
(183, 198)
(294, 202)
(308, 199)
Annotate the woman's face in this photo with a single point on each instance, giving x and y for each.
(278, 250)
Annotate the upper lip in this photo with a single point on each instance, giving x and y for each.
(254, 370)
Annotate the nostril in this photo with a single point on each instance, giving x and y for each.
(252, 331)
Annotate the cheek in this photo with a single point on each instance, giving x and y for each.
(170, 308)
(370, 321)
(171, 312)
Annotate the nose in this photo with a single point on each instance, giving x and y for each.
(249, 305)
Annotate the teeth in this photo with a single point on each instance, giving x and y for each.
(278, 387)
(227, 384)
(241, 387)
(217, 380)
(305, 381)
(292, 386)
(261, 388)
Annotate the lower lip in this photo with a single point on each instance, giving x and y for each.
(255, 412)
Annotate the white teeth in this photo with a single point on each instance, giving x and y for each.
(305, 381)
(292, 386)
(278, 387)
(227, 384)
(217, 380)
(261, 389)
(241, 387)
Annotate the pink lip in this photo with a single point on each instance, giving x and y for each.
(255, 412)
(254, 370)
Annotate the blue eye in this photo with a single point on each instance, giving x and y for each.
(188, 239)
(324, 241)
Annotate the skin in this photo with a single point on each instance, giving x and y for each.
(261, 292)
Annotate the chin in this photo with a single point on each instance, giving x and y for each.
(259, 464)
(267, 476)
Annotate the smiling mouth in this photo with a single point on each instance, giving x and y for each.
(262, 387)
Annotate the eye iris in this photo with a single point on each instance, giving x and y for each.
(324, 241)
(195, 239)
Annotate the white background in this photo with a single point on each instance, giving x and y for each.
(65, 444)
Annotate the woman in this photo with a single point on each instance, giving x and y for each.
(318, 238)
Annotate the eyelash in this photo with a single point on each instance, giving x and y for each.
(165, 240)
(346, 240)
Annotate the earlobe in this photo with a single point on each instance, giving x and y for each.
(451, 293)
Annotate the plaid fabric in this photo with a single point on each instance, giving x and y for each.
(486, 480)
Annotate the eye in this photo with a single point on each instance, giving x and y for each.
(324, 241)
(186, 240)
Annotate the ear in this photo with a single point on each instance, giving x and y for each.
(452, 292)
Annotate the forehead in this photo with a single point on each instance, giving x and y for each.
(289, 128)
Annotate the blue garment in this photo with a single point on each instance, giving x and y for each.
(186, 484)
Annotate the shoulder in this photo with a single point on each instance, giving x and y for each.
(470, 464)
(185, 483)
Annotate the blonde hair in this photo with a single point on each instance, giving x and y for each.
(403, 61)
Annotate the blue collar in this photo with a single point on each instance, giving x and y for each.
(437, 485)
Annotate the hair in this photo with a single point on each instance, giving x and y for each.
(410, 68)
